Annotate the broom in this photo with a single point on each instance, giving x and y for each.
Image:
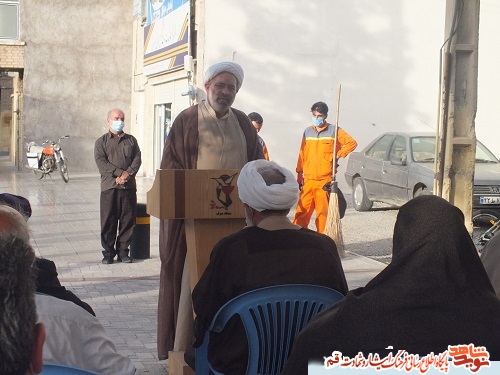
(333, 227)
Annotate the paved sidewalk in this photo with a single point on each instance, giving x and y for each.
(65, 228)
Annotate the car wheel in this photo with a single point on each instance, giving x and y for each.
(360, 199)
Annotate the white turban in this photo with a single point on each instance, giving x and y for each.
(254, 191)
(226, 66)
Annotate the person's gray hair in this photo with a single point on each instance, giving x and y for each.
(271, 175)
(18, 312)
(12, 223)
(112, 110)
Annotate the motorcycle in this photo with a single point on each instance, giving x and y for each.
(43, 160)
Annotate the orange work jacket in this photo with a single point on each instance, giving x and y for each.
(316, 151)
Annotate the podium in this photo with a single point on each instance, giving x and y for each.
(208, 202)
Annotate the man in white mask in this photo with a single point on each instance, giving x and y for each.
(118, 158)
(269, 251)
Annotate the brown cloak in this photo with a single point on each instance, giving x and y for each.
(181, 152)
(254, 258)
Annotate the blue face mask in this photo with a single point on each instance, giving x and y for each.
(318, 121)
(117, 126)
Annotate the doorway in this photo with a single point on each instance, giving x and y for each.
(6, 90)
(11, 129)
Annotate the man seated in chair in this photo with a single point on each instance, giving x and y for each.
(64, 334)
(270, 250)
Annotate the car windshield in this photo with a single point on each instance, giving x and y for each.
(483, 155)
(423, 148)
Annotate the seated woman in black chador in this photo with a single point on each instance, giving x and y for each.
(434, 293)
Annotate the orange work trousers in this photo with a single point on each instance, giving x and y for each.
(312, 197)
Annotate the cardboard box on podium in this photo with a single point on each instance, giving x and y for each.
(208, 202)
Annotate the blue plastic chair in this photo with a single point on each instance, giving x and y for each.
(272, 317)
(53, 369)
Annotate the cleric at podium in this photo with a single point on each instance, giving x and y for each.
(209, 135)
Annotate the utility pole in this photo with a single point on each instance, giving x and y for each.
(456, 138)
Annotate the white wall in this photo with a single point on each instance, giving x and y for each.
(487, 118)
(385, 53)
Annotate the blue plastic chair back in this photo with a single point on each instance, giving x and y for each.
(272, 317)
(52, 369)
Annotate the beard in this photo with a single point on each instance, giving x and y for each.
(221, 106)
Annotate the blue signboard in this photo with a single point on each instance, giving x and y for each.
(166, 35)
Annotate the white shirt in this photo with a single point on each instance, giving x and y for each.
(76, 338)
(221, 142)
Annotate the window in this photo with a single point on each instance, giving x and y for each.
(398, 150)
(483, 155)
(423, 149)
(9, 19)
(163, 123)
(379, 149)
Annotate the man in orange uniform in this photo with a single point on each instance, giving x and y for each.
(315, 166)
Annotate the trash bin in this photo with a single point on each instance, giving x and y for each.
(139, 246)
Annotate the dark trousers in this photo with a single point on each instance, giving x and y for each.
(117, 212)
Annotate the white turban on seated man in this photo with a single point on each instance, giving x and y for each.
(265, 185)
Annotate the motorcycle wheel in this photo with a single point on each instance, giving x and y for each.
(38, 174)
(63, 169)
(482, 221)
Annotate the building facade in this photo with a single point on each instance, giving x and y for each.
(294, 54)
(70, 63)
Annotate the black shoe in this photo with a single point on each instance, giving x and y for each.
(106, 260)
(124, 259)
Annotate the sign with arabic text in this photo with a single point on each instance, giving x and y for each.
(166, 35)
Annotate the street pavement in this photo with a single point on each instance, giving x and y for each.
(65, 229)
